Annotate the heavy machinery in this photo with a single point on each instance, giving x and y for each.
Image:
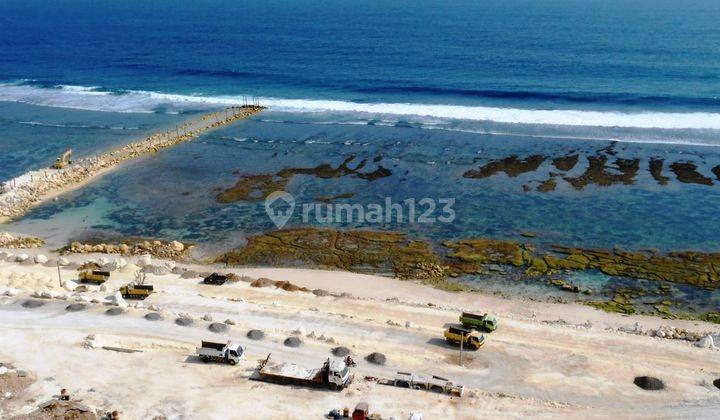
(93, 276)
(215, 279)
(63, 160)
(470, 339)
(482, 322)
(229, 353)
(334, 374)
(137, 289)
(429, 383)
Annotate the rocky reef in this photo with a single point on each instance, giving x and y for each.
(8, 240)
(357, 250)
(256, 187)
(405, 258)
(512, 166)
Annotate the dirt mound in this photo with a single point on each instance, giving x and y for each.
(218, 327)
(649, 383)
(153, 316)
(184, 322)
(14, 381)
(189, 274)
(76, 307)
(114, 311)
(56, 409)
(716, 382)
(262, 282)
(32, 304)
(376, 358)
(255, 335)
(292, 342)
(340, 351)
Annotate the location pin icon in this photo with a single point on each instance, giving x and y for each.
(279, 206)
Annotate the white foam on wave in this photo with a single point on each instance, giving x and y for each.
(92, 98)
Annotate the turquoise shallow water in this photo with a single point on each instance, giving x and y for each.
(429, 89)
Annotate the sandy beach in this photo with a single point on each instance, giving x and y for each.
(545, 360)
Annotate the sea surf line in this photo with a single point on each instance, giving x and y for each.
(20, 194)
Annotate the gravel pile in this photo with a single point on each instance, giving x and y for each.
(184, 322)
(340, 351)
(32, 304)
(153, 316)
(293, 342)
(376, 358)
(218, 327)
(255, 335)
(114, 311)
(649, 383)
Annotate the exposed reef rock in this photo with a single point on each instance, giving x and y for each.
(600, 174)
(257, 187)
(656, 170)
(566, 163)
(687, 172)
(358, 250)
(512, 166)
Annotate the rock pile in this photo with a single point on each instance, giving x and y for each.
(160, 249)
(8, 240)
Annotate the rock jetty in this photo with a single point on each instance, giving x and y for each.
(19, 195)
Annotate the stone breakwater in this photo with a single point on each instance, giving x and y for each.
(19, 195)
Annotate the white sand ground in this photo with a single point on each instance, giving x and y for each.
(527, 367)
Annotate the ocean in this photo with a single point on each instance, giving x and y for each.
(586, 123)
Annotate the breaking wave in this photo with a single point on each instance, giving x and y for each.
(94, 98)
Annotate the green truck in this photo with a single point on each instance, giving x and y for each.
(483, 322)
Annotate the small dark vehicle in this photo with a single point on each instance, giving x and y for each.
(215, 279)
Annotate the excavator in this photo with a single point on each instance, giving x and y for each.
(63, 160)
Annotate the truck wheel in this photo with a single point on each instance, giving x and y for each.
(232, 362)
(334, 386)
(205, 359)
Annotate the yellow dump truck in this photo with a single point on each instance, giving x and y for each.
(94, 276)
(471, 340)
(136, 291)
(63, 160)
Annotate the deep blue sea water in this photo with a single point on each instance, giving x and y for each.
(434, 88)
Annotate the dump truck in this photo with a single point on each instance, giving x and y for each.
(93, 276)
(470, 339)
(215, 279)
(482, 322)
(63, 160)
(334, 374)
(229, 352)
(133, 290)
